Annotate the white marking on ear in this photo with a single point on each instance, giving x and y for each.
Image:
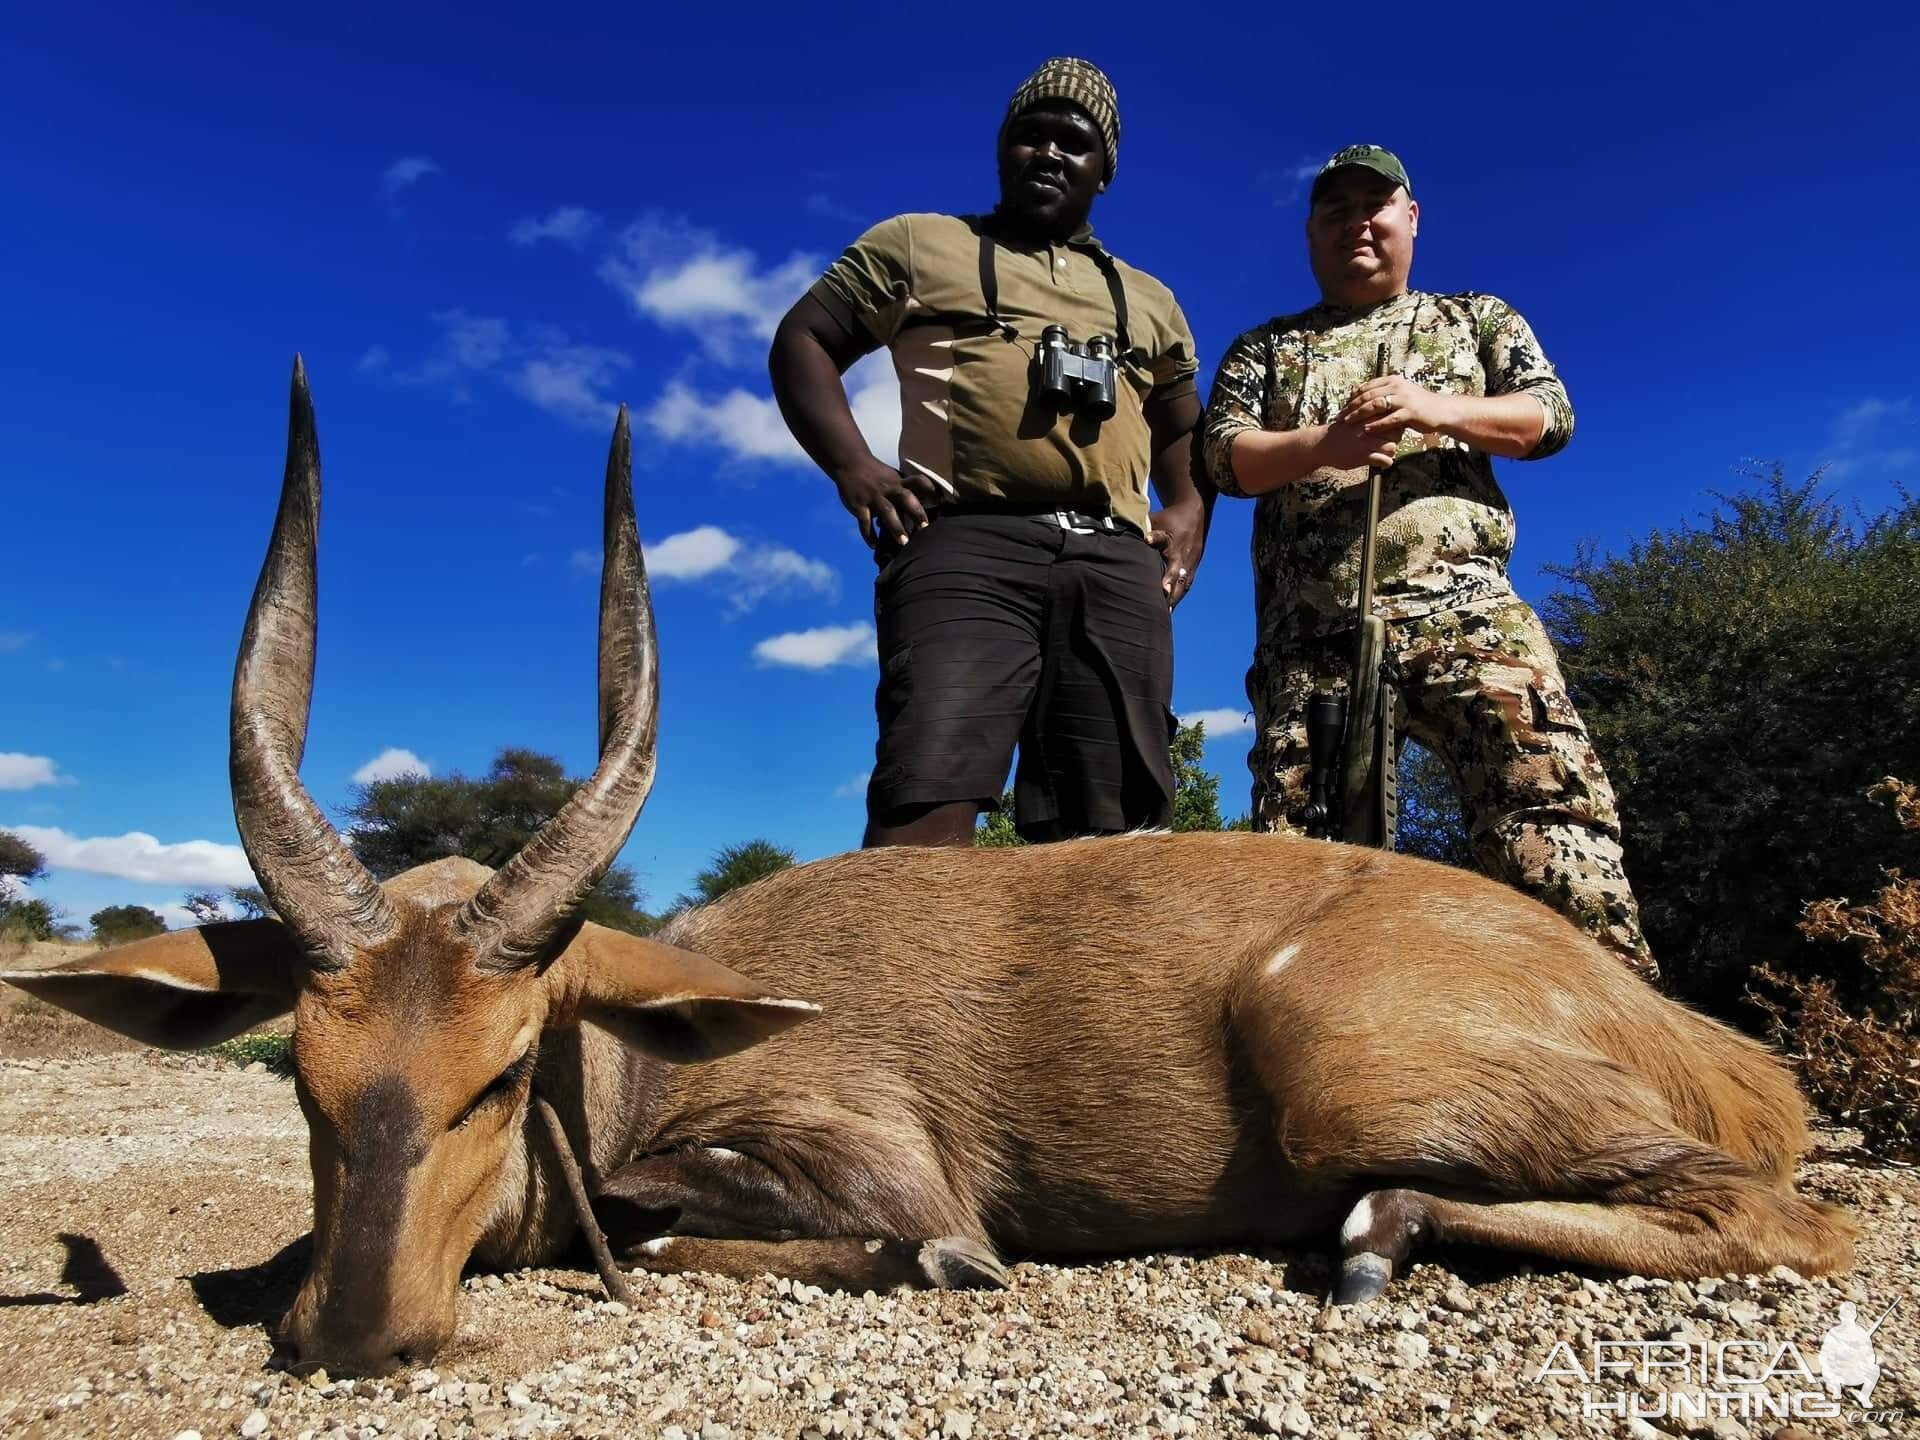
(659, 1244)
(1359, 1222)
(721, 1152)
(160, 977)
(1281, 959)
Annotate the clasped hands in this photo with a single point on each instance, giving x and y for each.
(1367, 429)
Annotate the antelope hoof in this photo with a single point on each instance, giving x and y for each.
(1363, 1277)
(955, 1263)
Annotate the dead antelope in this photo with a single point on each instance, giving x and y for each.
(1091, 1047)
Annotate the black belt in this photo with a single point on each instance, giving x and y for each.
(1078, 521)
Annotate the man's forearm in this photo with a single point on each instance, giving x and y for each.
(813, 400)
(1266, 460)
(1505, 425)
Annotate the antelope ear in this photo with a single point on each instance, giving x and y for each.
(183, 990)
(670, 1002)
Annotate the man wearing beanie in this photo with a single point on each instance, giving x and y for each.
(1025, 586)
(1296, 418)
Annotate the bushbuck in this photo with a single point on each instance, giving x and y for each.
(1092, 1047)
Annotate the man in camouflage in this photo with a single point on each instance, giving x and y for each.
(1296, 417)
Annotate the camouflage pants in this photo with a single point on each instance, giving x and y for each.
(1481, 689)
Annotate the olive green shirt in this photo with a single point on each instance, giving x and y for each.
(968, 420)
(1446, 530)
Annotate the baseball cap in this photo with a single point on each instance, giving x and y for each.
(1365, 157)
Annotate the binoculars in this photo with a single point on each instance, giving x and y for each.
(1073, 376)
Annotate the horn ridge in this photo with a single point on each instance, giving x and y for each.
(531, 901)
(316, 884)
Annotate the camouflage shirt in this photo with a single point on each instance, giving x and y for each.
(1446, 530)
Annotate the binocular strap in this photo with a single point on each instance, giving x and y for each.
(990, 291)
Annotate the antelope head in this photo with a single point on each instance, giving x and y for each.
(418, 1005)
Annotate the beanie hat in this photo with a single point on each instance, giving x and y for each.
(1079, 82)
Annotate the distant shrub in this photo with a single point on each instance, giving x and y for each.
(273, 1051)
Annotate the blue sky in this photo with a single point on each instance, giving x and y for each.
(485, 228)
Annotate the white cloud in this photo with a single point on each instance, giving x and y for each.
(14, 639)
(751, 572)
(691, 554)
(1289, 183)
(856, 786)
(745, 425)
(587, 562)
(540, 364)
(140, 857)
(681, 276)
(570, 381)
(391, 764)
(750, 427)
(405, 171)
(24, 772)
(570, 225)
(1220, 722)
(819, 649)
(1859, 421)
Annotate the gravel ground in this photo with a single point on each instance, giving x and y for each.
(152, 1210)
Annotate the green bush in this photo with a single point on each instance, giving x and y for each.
(1746, 681)
(273, 1051)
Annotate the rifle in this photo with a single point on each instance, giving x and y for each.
(1359, 801)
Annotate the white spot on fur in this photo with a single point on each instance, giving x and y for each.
(1359, 1222)
(1281, 959)
(722, 1153)
(659, 1245)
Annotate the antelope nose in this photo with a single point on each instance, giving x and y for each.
(368, 1353)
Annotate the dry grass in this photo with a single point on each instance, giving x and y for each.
(1861, 1061)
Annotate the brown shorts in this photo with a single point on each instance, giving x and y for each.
(1005, 628)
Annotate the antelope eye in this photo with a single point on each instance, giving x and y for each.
(500, 1088)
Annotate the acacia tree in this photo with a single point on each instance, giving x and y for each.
(411, 819)
(117, 924)
(22, 915)
(734, 866)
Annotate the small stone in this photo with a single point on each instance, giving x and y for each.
(518, 1396)
(318, 1378)
(254, 1425)
(976, 1356)
(1410, 1350)
(714, 1430)
(1326, 1354)
(187, 1435)
(1786, 1275)
(1744, 1312)
(956, 1425)
(1460, 1300)
(761, 1388)
(258, 1067)
(1296, 1421)
(711, 1319)
(1259, 1332)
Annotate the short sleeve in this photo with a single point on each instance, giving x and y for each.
(1238, 404)
(867, 288)
(1514, 362)
(1175, 367)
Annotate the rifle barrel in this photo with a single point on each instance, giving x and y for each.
(1363, 606)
